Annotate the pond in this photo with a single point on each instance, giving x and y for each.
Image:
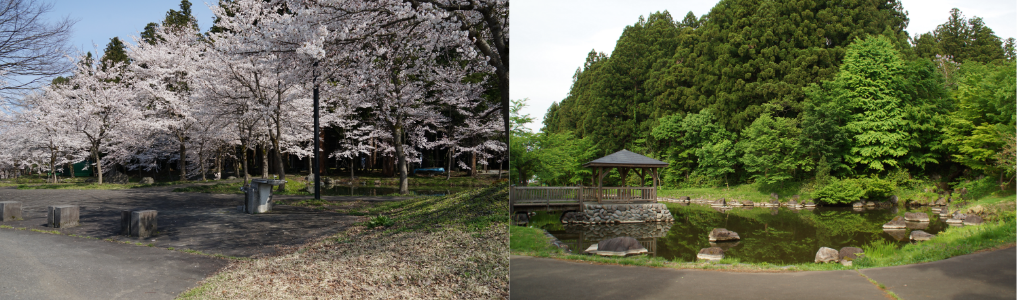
(771, 235)
(346, 190)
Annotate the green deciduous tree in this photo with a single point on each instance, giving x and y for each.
(770, 149)
(984, 115)
(696, 145)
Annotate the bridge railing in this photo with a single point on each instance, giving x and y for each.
(570, 196)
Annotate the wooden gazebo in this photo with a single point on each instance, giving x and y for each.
(624, 161)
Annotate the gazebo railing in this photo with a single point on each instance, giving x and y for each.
(626, 194)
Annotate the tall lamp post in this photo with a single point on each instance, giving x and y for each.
(317, 144)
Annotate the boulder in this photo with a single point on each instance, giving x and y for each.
(825, 255)
(619, 246)
(870, 204)
(114, 176)
(973, 220)
(959, 216)
(10, 211)
(810, 203)
(748, 203)
(685, 198)
(919, 235)
(896, 223)
(893, 200)
(724, 245)
(850, 253)
(954, 221)
(774, 196)
(940, 202)
(916, 217)
(721, 234)
(857, 204)
(231, 178)
(310, 177)
(977, 209)
(792, 203)
(719, 202)
(775, 203)
(147, 180)
(710, 254)
(794, 198)
(734, 203)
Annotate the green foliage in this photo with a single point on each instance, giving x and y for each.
(963, 40)
(697, 147)
(977, 188)
(380, 220)
(750, 52)
(847, 190)
(985, 103)
(523, 156)
(840, 191)
(116, 53)
(562, 156)
(770, 149)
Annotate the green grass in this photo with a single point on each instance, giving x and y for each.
(471, 211)
(531, 241)
(96, 186)
(742, 192)
(952, 242)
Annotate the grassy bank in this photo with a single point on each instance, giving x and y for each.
(432, 248)
(96, 186)
(298, 186)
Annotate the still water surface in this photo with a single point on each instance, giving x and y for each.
(772, 235)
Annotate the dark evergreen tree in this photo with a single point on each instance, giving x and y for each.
(116, 52)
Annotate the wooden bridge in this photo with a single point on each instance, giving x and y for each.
(573, 198)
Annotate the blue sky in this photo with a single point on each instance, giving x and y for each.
(100, 21)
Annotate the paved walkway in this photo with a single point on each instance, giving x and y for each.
(986, 275)
(209, 223)
(46, 266)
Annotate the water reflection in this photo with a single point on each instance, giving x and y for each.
(773, 235)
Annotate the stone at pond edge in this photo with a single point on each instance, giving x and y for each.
(896, 223)
(916, 217)
(710, 254)
(850, 253)
(857, 204)
(919, 235)
(619, 246)
(973, 220)
(722, 234)
(748, 203)
(826, 254)
(147, 180)
(724, 245)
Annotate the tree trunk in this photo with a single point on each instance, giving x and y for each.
(448, 172)
(278, 160)
(98, 164)
(246, 163)
(52, 164)
(264, 161)
(182, 164)
(404, 187)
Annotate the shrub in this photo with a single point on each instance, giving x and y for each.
(380, 221)
(847, 190)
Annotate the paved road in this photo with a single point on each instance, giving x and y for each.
(45, 266)
(987, 275)
(206, 222)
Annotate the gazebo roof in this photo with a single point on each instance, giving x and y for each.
(626, 159)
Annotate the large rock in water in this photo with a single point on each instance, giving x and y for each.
(896, 223)
(826, 254)
(722, 234)
(919, 235)
(619, 246)
(710, 254)
(916, 217)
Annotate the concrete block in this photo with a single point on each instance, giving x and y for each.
(63, 216)
(125, 222)
(143, 223)
(10, 211)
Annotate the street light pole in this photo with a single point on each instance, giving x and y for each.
(317, 144)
